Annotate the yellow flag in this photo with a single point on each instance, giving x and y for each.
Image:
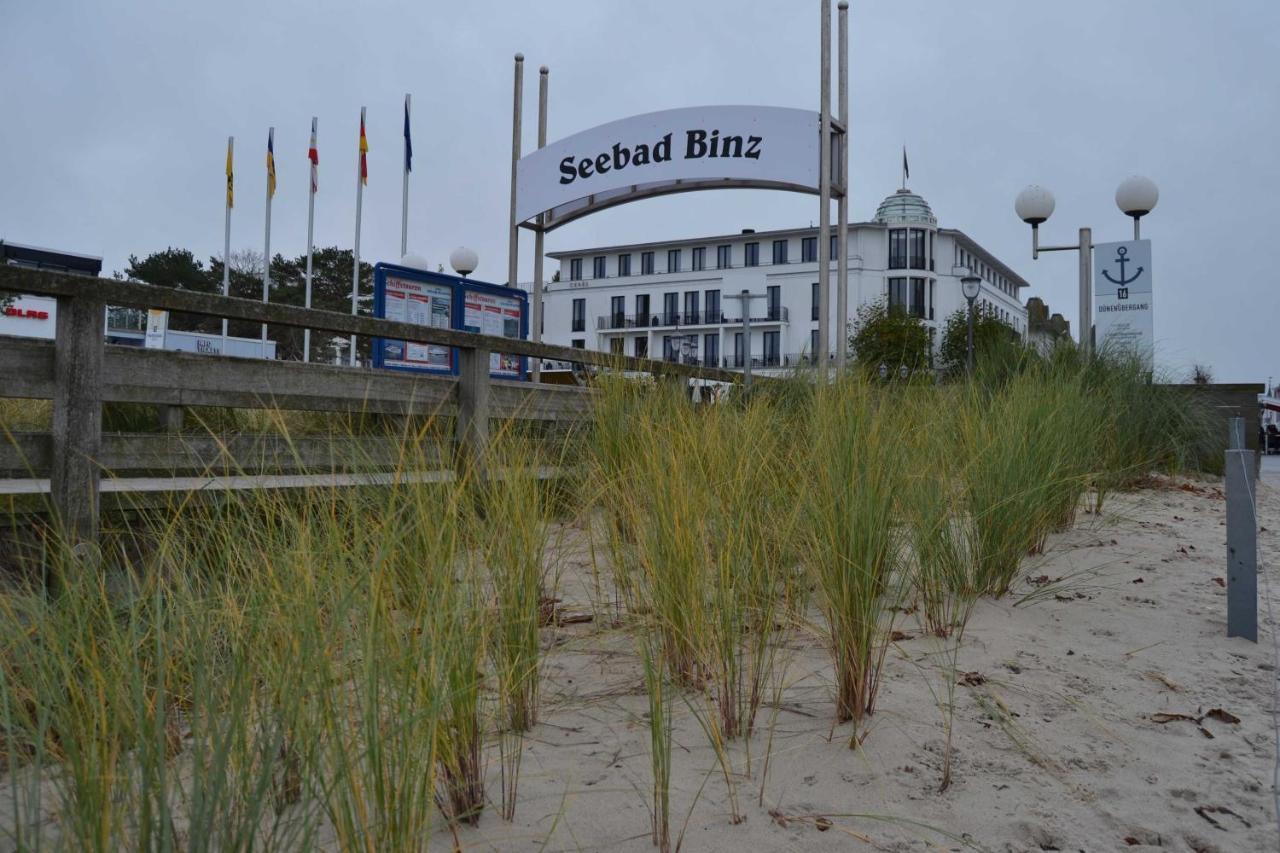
(231, 181)
(271, 165)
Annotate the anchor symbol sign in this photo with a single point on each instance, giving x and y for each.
(1122, 292)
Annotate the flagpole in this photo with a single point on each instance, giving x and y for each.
(355, 265)
(226, 243)
(311, 223)
(266, 239)
(404, 202)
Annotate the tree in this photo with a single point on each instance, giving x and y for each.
(177, 269)
(330, 291)
(889, 336)
(1201, 374)
(990, 335)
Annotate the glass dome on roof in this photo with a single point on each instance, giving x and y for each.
(905, 207)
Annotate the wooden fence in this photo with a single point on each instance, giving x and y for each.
(78, 372)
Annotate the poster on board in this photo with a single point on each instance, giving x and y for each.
(423, 304)
(490, 314)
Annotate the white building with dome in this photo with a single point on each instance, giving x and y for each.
(672, 299)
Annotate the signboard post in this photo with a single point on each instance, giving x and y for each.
(443, 301)
(1123, 298)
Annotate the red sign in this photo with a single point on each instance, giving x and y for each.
(27, 313)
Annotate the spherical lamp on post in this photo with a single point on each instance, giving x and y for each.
(970, 285)
(1137, 196)
(464, 261)
(1034, 205)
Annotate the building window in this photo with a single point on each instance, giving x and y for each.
(809, 250)
(933, 292)
(646, 263)
(897, 294)
(575, 269)
(813, 342)
(917, 249)
(615, 345)
(834, 250)
(673, 260)
(642, 347)
(897, 248)
(689, 350)
(779, 251)
(774, 301)
(711, 349)
(579, 315)
(642, 309)
(771, 354)
(917, 298)
(624, 266)
(724, 257)
(814, 300)
(699, 258)
(617, 312)
(671, 309)
(739, 352)
(752, 255)
(930, 251)
(713, 306)
(598, 267)
(578, 343)
(691, 307)
(670, 348)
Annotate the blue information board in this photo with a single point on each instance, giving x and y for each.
(444, 301)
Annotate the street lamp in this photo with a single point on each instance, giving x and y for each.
(464, 261)
(1136, 196)
(970, 285)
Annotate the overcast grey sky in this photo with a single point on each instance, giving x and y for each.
(117, 113)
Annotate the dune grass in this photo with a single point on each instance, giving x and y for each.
(337, 666)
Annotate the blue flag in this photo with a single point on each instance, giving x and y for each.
(408, 142)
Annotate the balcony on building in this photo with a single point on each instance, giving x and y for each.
(776, 315)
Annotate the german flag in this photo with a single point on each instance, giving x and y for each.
(364, 154)
(271, 166)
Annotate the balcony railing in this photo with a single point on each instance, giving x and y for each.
(737, 361)
(677, 319)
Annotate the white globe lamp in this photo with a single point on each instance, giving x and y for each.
(415, 262)
(464, 261)
(1137, 196)
(1034, 205)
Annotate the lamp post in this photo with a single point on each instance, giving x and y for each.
(970, 285)
(1136, 197)
(744, 299)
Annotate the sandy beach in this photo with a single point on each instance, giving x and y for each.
(1102, 708)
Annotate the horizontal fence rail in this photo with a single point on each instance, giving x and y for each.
(135, 295)
(79, 373)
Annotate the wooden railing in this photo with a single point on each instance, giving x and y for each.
(80, 373)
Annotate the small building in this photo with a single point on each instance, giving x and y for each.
(32, 316)
(675, 299)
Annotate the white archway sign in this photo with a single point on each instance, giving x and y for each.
(687, 150)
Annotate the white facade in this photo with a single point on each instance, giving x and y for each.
(674, 299)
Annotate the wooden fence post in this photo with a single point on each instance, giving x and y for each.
(77, 417)
(472, 430)
(171, 418)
